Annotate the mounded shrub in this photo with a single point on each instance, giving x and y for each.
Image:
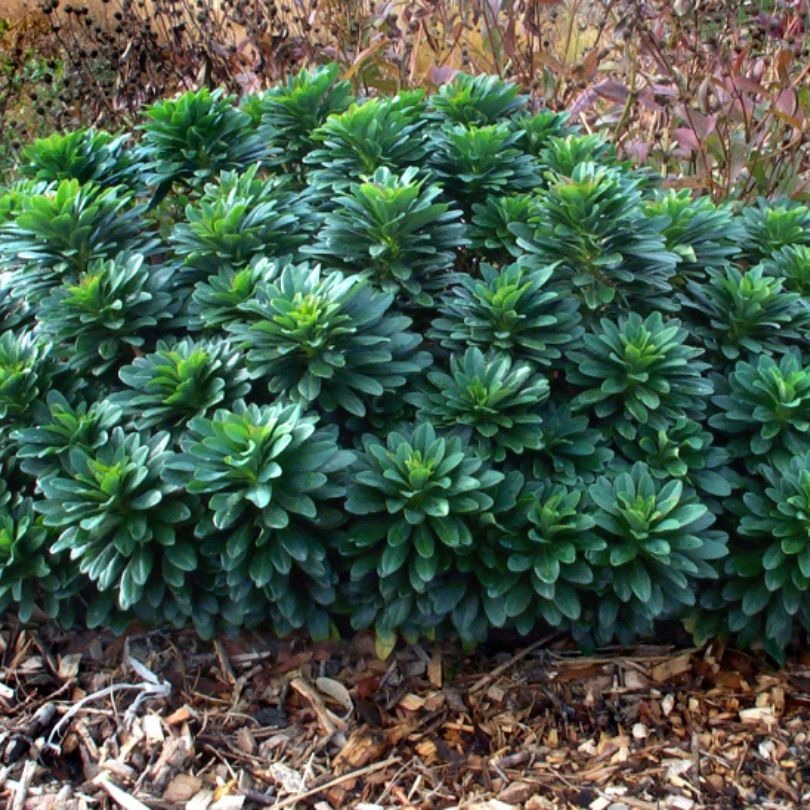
(430, 365)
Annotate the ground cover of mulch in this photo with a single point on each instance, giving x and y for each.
(157, 720)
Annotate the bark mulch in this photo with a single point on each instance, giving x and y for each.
(159, 720)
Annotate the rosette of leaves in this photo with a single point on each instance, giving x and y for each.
(270, 476)
(86, 155)
(496, 400)
(770, 574)
(768, 227)
(792, 265)
(546, 558)
(765, 407)
(473, 161)
(393, 228)
(354, 144)
(124, 525)
(97, 321)
(476, 100)
(571, 450)
(684, 450)
(195, 136)
(25, 374)
(180, 380)
(57, 426)
(594, 225)
(239, 218)
(639, 371)
(491, 223)
(540, 127)
(58, 232)
(702, 233)
(659, 547)
(509, 309)
(25, 563)
(562, 155)
(418, 497)
(216, 302)
(327, 339)
(735, 313)
(291, 112)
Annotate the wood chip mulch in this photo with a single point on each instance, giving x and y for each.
(167, 721)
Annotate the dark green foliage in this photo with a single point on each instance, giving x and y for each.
(269, 474)
(216, 302)
(770, 570)
(610, 251)
(548, 558)
(195, 136)
(792, 265)
(393, 228)
(768, 227)
(25, 567)
(497, 401)
(658, 542)
(766, 408)
(736, 313)
(290, 113)
(127, 528)
(59, 231)
(476, 100)
(683, 450)
(639, 372)
(179, 381)
(472, 161)
(509, 309)
(25, 373)
(432, 365)
(702, 234)
(561, 155)
(354, 144)
(59, 426)
(97, 320)
(327, 339)
(571, 449)
(86, 155)
(242, 217)
(539, 128)
(419, 495)
(492, 220)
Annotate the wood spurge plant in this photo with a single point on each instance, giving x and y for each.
(427, 364)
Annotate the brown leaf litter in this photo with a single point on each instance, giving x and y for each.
(167, 721)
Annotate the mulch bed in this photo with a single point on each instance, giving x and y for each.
(160, 720)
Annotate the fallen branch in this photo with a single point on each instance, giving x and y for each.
(151, 686)
(499, 670)
(299, 797)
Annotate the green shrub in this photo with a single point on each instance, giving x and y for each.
(269, 475)
(290, 113)
(354, 144)
(197, 135)
(476, 100)
(610, 250)
(57, 232)
(393, 228)
(242, 217)
(431, 365)
(85, 155)
(327, 339)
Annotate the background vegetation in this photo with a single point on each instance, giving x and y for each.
(712, 93)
